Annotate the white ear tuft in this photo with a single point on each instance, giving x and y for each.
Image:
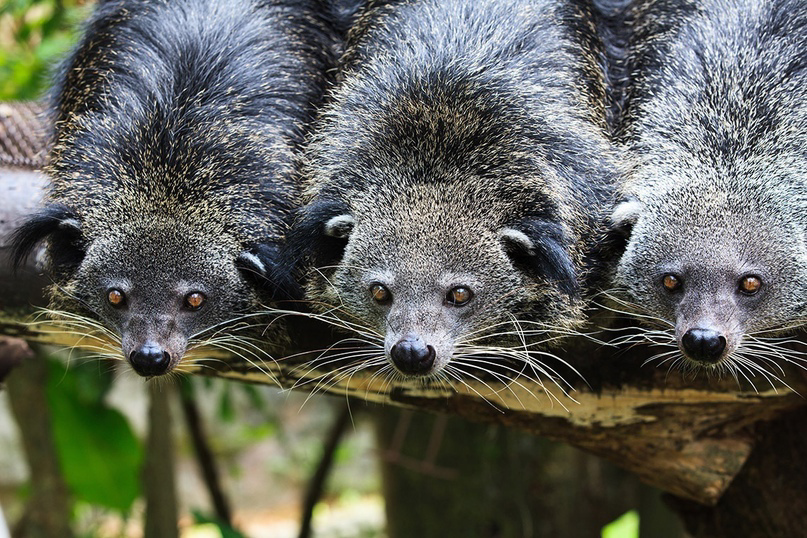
(248, 260)
(70, 224)
(626, 213)
(516, 240)
(339, 226)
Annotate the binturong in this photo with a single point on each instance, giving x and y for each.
(715, 119)
(457, 182)
(176, 129)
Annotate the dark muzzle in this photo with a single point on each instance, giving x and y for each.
(703, 345)
(150, 360)
(412, 356)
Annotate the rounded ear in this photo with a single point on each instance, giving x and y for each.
(250, 264)
(62, 227)
(540, 246)
(339, 226)
(625, 215)
(516, 242)
(317, 238)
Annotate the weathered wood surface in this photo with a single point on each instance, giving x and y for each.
(767, 498)
(687, 441)
(686, 436)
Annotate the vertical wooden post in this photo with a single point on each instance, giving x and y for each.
(444, 476)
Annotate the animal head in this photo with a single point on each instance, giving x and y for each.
(431, 282)
(721, 268)
(155, 284)
(715, 206)
(172, 163)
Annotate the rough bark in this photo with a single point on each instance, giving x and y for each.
(767, 498)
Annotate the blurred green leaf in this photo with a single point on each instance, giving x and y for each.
(34, 35)
(98, 451)
(626, 526)
(226, 409)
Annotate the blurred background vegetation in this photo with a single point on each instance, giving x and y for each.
(34, 35)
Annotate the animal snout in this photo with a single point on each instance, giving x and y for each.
(703, 345)
(150, 360)
(412, 356)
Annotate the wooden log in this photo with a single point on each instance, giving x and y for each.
(766, 499)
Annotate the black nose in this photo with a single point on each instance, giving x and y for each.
(150, 360)
(704, 345)
(412, 356)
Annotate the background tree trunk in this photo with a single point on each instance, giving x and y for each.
(444, 476)
(158, 471)
(47, 511)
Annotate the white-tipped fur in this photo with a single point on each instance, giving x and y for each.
(340, 226)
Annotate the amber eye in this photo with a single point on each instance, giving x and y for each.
(115, 297)
(194, 300)
(671, 282)
(750, 284)
(459, 296)
(380, 293)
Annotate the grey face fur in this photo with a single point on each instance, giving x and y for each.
(710, 241)
(165, 289)
(716, 122)
(435, 263)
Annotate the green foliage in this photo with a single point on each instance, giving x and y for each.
(34, 35)
(626, 526)
(99, 453)
(226, 410)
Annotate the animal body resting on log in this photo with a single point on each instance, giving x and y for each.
(687, 436)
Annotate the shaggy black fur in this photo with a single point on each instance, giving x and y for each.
(177, 125)
(465, 138)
